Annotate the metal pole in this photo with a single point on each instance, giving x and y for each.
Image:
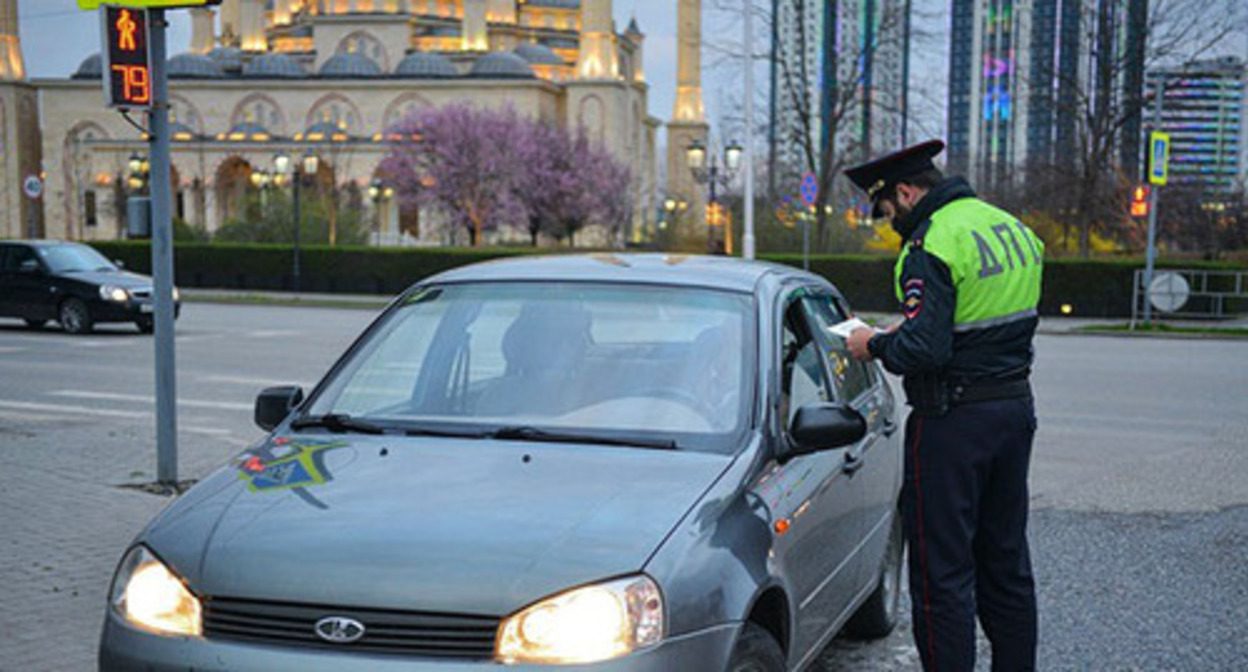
(747, 237)
(806, 217)
(710, 226)
(298, 173)
(162, 260)
(1159, 92)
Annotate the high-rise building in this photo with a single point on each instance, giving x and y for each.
(1022, 73)
(818, 49)
(1205, 112)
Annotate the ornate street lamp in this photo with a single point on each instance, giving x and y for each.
(714, 176)
(303, 170)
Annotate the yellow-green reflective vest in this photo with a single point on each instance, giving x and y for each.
(996, 262)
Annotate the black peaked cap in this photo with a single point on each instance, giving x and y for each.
(878, 176)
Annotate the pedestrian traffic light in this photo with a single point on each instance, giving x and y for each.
(1139, 200)
(127, 58)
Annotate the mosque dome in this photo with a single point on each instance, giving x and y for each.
(274, 66)
(92, 67)
(352, 65)
(229, 58)
(501, 64)
(538, 54)
(422, 65)
(194, 66)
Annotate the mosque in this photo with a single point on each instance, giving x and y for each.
(330, 78)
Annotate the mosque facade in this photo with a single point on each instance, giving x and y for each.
(330, 78)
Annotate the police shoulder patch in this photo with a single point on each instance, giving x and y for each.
(912, 298)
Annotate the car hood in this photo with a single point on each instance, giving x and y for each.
(123, 279)
(459, 526)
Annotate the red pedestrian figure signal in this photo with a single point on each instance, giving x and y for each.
(128, 68)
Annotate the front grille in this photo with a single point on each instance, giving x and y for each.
(410, 633)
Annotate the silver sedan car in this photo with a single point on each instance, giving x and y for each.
(606, 462)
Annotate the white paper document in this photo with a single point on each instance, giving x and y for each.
(844, 329)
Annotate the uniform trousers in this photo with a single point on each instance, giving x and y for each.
(965, 506)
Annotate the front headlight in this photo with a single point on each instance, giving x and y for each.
(585, 625)
(110, 293)
(176, 294)
(151, 597)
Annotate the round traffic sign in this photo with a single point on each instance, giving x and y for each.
(1169, 292)
(32, 186)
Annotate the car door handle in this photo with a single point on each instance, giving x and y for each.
(890, 426)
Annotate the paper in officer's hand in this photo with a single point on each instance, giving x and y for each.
(844, 329)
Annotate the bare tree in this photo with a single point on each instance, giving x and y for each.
(1106, 102)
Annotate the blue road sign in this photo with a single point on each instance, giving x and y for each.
(1159, 157)
(810, 189)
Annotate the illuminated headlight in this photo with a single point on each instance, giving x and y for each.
(110, 293)
(176, 294)
(585, 625)
(151, 597)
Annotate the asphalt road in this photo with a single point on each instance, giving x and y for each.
(1140, 502)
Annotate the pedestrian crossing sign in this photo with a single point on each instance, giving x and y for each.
(1158, 157)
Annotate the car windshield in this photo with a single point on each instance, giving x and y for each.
(620, 362)
(74, 257)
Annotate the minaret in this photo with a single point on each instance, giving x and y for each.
(639, 38)
(251, 19)
(597, 58)
(231, 22)
(21, 160)
(688, 120)
(203, 36)
(12, 68)
(476, 35)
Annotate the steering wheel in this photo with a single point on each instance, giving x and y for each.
(683, 397)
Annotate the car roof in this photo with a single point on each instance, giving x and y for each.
(725, 273)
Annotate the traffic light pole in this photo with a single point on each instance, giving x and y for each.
(1159, 92)
(162, 260)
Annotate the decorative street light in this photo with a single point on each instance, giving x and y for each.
(379, 192)
(305, 169)
(714, 176)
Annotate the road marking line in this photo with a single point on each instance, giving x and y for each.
(194, 403)
(251, 382)
(10, 349)
(73, 410)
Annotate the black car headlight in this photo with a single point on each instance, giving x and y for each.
(585, 625)
(149, 596)
(113, 293)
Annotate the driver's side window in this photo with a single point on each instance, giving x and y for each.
(803, 379)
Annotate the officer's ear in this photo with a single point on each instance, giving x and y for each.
(907, 195)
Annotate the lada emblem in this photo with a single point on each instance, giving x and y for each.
(339, 629)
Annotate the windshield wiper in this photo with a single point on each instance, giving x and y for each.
(337, 423)
(524, 433)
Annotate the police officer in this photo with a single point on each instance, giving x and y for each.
(968, 279)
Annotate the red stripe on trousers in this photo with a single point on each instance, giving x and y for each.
(918, 494)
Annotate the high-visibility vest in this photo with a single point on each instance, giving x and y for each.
(995, 260)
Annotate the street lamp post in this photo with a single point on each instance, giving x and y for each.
(379, 192)
(713, 176)
(307, 167)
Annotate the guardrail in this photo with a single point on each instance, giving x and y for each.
(1191, 294)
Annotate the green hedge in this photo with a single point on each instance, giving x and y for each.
(1100, 288)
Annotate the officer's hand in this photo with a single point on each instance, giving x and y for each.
(857, 343)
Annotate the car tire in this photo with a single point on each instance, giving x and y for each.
(146, 324)
(35, 324)
(877, 617)
(756, 651)
(75, 318)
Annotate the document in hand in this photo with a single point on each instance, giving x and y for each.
(844, 329)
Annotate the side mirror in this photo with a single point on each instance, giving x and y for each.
(29, 266)
(823, 426)
(119, 264)
(273, 404)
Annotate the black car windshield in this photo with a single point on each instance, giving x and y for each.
(657, 364)
(73, 257)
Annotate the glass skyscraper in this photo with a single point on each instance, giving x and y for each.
(1205, 112)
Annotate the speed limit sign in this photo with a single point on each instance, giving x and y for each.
(32, 186)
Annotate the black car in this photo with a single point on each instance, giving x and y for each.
(42, 280)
